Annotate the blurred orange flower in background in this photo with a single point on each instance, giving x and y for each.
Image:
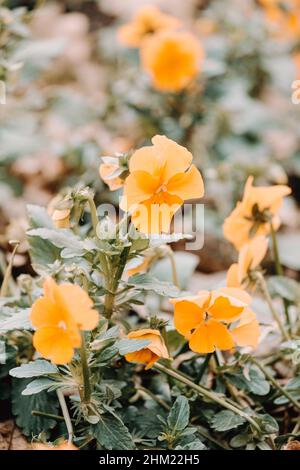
(173, 59)
(203, 320)
(253, 215)
(250, 256)
(161, 178)
(151, 353)
(59, 316)
(147, 21)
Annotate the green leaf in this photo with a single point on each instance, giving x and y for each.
(39, 217)
(147, 282)
(179, 415)
(186, 264)
(11, 319)
(226, 420)
(34, 369)
(22, 406)
(111, 433)
(196, 444)
(37, 386)
(126, 346)
(285, 287)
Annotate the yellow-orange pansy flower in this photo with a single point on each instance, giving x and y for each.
(65, 445)
(204, 319)
(58, 317)
(252, 216)
(151, 353)
(147, 21)
(250, 256)
(106, 171)
(161, 178)
(173, 59)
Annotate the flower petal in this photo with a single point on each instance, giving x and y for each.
(187, 316)
(187, 185)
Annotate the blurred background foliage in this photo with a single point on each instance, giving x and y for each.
(75, 93)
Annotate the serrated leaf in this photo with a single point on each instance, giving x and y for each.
(22, 406)
(126, 346)
(15, 320)
(111, 433)
(39, 217)
(179, 415)
(147, 282)
(34, 369)
(37, 386)
(226, 420)
(196, 444)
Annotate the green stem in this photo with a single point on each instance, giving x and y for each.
(154, 397)
(94, 214)
(207, 393)
(85, 371)
(276, 384)
(5, 284)
(267, 296)
(66, 415)
(174, 268)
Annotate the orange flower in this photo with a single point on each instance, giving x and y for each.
(147, 21)
(250, 256)
(151, 353)
(59, 316)
(173, 59)
(252, 216)
(106, 171)
(59, 212)
(161, 179)
(65, 445)
(204, 320)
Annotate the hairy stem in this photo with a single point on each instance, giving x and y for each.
(5, 284)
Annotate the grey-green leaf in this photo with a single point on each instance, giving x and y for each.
(112, 434)
(37, 386)
(126, 346)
